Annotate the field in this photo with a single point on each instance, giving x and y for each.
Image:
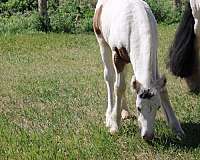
(53, 102)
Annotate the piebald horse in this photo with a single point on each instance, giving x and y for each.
(185, 49)
(126, 31)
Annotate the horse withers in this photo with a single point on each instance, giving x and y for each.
(127, 33)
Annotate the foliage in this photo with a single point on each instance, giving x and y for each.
(71, 16)
(10, 7)
(20, 23)
(164, 12)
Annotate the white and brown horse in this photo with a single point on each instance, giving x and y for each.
(126, 31)
(184, 52)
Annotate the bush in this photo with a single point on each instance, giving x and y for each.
(164, 12)
(63, 19)
(86, 20)
(20, 23)
(72, 17)
(10, 7)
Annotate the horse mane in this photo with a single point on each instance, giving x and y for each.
(182, 51)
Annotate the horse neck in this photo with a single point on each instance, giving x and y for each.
(144, 49)
(146, 69)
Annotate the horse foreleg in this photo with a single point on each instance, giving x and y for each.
(170, 115)
(125, 114)
(119, 89)
(109, 75)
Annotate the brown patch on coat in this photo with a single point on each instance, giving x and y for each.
(121, 58)
(97, 20)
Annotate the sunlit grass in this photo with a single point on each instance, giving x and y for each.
(53, 101)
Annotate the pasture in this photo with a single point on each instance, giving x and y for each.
(53, 101)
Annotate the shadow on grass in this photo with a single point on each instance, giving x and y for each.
(190, 141)
(195, 92)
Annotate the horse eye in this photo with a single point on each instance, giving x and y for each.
(139, 109)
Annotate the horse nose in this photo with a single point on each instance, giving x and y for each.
(148, 137)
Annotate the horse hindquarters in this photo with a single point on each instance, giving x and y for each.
(193, 81)
(182, 52)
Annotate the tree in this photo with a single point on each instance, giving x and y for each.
(42, 8)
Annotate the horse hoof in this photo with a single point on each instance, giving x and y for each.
(113, 128)
(113, 131)
(180, 134)
(125, 114)
(108, 122)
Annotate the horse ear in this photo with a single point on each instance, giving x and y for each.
(160, 83)
(136, 85)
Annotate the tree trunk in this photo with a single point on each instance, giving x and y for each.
(42, 8)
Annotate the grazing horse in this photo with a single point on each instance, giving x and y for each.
(126, 31)
(184, 52)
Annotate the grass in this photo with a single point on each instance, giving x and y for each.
(53, 101)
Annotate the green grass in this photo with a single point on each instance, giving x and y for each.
(53, 102)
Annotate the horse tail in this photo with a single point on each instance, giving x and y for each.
(182, 51)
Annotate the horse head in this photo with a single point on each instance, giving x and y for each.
(147, 103)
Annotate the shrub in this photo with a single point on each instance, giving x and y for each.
(11, 7)
(63, 19)
(86, 19)
(72, 17)
(164, 12)
(19, 23)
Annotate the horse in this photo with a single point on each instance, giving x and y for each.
(126, 31)
(184, 51)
